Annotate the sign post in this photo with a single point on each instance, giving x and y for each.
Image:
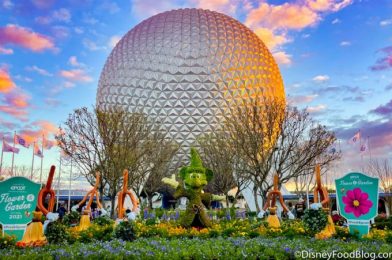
(18, 199)
(357, 199)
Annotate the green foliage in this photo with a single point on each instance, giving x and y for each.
(383, 223)
(7, 241)
(57, 233)
(96, 232)
(314, 220)
(125, 231)
(71, 219)
(103, 220)
(196, 248)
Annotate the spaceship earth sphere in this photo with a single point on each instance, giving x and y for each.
(184, 68)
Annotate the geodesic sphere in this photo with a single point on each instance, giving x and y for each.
(184, 68)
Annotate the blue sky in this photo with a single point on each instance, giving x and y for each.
(335, 57)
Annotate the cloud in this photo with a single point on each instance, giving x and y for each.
(6, 83)
(92, 46)
(40, 71)
(76, 75)
(7, 4)
(285, 16)
(321, 78)
(388, 87)
(384, 110)
(335, 21)
(62, 14)
(16, 104)
(338, 89)
(146, 8)
(16, 35)
(20, 114)
(282, 58)
(43, 4)
(40, 128)
(73, 61)
(113, 41)
(345, 43)
(17, 100)
(110, 7)
(52, 102)
(379, 132)
(386, 22)
(296, 15)
(385, 62)
(300, 99)
(60, 31)
(316, 109)
(271, 39)
(6, 51)
(7, 124)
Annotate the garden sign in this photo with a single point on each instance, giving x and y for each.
(357, 198)
(18, 199)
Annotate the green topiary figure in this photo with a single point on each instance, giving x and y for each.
(193, 179)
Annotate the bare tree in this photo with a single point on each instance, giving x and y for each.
(108, 142)
(158, 168)
(272, 138)
(383, 170)
(221, 158)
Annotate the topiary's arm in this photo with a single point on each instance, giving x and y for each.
(171, 181)
(218, 197)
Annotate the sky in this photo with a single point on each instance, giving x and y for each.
(335, 58)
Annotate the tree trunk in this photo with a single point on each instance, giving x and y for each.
(255, 198)
(112, 209)
(227, 202)
(149, 201)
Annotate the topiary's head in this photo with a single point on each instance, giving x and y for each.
(195, 176)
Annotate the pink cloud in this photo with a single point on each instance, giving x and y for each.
(282, 58)
(6, 51)
(41, 128)
(271, 22)
(76, 75)
(20, 114)
(385, 62)
(14, 34)
(17, 100)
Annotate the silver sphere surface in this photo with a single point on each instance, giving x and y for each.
(184, 68)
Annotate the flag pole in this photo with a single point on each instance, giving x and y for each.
(13, 155)
(58, 184)
(69, 190)
(370, 151)
(32, 163)
(2, 152)
(42, 159)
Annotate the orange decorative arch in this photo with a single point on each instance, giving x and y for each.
(272, 196)
(121, 197)
(320, 192)
(45, 191)
(92, 193)
(321, 196)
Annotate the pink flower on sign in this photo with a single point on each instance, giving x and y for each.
(357, 202)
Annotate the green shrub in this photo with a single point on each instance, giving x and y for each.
(96, 232)
(56, 233)
(314, 220)
(125, 231)
(71, 219)
(7, 241)
(103, 220)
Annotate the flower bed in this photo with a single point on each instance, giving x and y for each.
(197, 248)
